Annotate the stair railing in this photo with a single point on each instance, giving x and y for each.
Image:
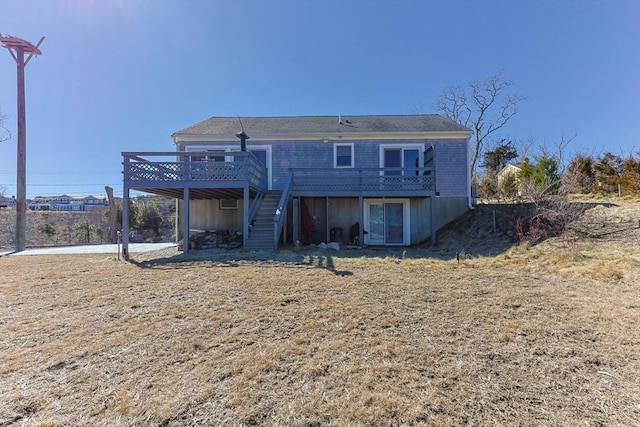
(281, 212)
(253, 209)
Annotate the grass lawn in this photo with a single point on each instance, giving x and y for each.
(545, 336)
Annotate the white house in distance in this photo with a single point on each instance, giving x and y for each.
(7, 203)
(390, 180)
(67, 202)
(509, 172)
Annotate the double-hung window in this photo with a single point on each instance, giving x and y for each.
(343, 155)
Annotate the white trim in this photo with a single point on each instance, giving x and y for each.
(335, 154)
(406, 218)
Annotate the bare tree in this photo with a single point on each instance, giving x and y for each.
(485, 106)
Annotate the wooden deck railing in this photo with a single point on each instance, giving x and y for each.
(245, 167)
(181, 168)
(364, 179)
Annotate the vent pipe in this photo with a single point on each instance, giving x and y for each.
(243, 140)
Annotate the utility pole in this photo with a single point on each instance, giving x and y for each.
(18, 48)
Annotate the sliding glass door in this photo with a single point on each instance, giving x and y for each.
(387, 222)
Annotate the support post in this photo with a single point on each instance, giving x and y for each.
(21, 47)
(125, 222)
(296, 219)
(185, 220)
(176, 226)
(284, 225)
(21, 207)
(361, 219)
(327, 220)
(432, 220)
(245, 221)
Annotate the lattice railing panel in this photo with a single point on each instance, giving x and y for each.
(336, 180)
(246, 168)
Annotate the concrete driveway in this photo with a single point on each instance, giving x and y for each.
(92, 249)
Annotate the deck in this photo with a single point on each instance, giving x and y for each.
(169, 173)
(240, 175)
(366, 182)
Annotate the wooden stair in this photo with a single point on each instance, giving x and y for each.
(261, 233)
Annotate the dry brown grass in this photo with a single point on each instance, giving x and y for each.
(545, 336)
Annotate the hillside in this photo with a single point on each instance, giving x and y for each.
(492, 229)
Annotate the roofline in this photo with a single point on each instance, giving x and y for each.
(188, 137)
(509, 165)
(312, 116)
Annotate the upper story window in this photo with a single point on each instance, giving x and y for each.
(401, 159)
(343, 155)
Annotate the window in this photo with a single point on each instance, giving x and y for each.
(398, 157)
(216, 155)
(343, 155)
(228, 203)
(387, 222)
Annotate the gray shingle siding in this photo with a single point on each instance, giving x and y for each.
(452, 168)
(297, 141)
(450, 158)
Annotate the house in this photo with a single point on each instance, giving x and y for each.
(509, 176)
(67, 202)
(387, 179)
(8, 203)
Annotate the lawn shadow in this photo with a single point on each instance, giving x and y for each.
(295, 257)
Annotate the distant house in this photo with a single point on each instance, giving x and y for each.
(380, 180)
(7, 203)
(509, 172)
(66, 202)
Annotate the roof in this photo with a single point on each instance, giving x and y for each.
(509, 167)
(68, 196)
(323, 125)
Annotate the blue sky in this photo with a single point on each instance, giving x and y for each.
(122, 75)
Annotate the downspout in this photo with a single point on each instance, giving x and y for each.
(470, 195)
